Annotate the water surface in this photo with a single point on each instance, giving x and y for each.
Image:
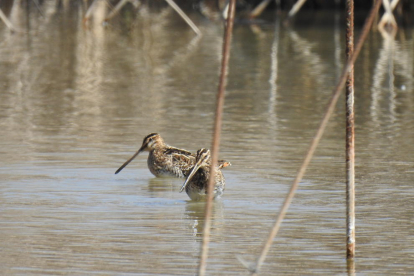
(76, 102)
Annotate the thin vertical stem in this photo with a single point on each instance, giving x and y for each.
(350, 136)
(216, 136)
(331, 106)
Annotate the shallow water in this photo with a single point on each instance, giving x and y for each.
(76, 103)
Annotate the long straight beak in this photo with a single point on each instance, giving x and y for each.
(193, 171)
(130, 159)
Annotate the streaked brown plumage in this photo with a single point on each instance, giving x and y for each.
(165, 160)
(196, 183)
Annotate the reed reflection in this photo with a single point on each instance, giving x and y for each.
(337, 43)
(194, 213)
(90, 55)
(60, 79)
(350, 266)
(384, 71)
(17, 16)
(312, 61)
(274, 75)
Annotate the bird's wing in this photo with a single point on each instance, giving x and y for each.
(183, 160)
(174, 151)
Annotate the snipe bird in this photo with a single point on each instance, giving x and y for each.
(164, 160)
(196, 183)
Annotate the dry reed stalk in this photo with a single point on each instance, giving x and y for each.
(331, 106)
(184, 16)
(259, 9)
(350, 136)
(216, 137)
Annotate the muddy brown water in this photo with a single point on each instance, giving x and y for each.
(75, 103)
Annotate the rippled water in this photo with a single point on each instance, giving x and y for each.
(76, 102)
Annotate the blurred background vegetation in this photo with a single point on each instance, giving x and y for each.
(402, 11)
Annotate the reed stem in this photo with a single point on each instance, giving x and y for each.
(216, 136)
(350, 135)
(259, 9)
(184, 16)
(331, 106)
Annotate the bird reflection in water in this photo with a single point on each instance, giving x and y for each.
(194, 212)
(160, 187)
